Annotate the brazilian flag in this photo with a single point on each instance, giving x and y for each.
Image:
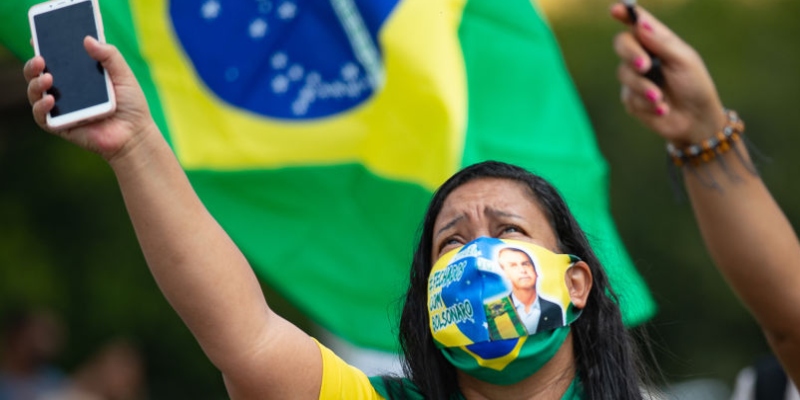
(316, 131)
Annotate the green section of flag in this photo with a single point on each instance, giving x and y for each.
(337, 241)
(524, 109)
(15, 33)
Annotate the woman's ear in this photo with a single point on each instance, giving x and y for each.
(579, 283)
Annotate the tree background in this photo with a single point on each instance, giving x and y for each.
(66, 242)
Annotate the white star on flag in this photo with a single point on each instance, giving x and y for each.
(258, 28)
(210, 9)
(287, 10)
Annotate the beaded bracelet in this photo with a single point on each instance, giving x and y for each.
(709, 149)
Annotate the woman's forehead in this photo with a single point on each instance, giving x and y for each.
(491, 199)
(502, 195)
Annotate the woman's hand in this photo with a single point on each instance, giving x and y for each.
(687, 109)
(111, 136)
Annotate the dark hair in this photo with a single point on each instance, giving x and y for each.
(605, 356)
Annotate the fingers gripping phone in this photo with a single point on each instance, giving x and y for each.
(81, 86)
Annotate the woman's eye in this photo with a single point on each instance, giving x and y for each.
(448, 244)
(510, 229)
(451, 242)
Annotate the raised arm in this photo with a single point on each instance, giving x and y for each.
(199, 269)
(748, 236)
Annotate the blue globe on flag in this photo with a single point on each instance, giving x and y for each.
(264, 56)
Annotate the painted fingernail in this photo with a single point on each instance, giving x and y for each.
(652, 95)
(660, 110)
(639, 63)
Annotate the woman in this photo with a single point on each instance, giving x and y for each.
(210, 284)
(507, 202)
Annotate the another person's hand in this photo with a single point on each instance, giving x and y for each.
(687, 109)
(109, 137)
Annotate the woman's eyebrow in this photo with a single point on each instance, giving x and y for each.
(450, 224)
(493, 212)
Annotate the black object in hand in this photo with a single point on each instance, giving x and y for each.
(655, 73)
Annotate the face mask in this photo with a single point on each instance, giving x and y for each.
(500, 309)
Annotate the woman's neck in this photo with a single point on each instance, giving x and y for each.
(549, 383)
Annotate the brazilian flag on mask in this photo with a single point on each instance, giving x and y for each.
(316, 131)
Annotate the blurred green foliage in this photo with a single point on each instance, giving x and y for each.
(66, 242)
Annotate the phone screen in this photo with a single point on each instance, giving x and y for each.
(78, 80)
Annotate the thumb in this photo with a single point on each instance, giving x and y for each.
(110, 58)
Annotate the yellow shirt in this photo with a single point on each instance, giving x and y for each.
(343, 381)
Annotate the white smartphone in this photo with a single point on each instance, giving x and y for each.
(81, 86)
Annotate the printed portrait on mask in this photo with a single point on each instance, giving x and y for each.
(523, 310)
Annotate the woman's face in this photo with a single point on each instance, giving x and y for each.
(494, 207)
